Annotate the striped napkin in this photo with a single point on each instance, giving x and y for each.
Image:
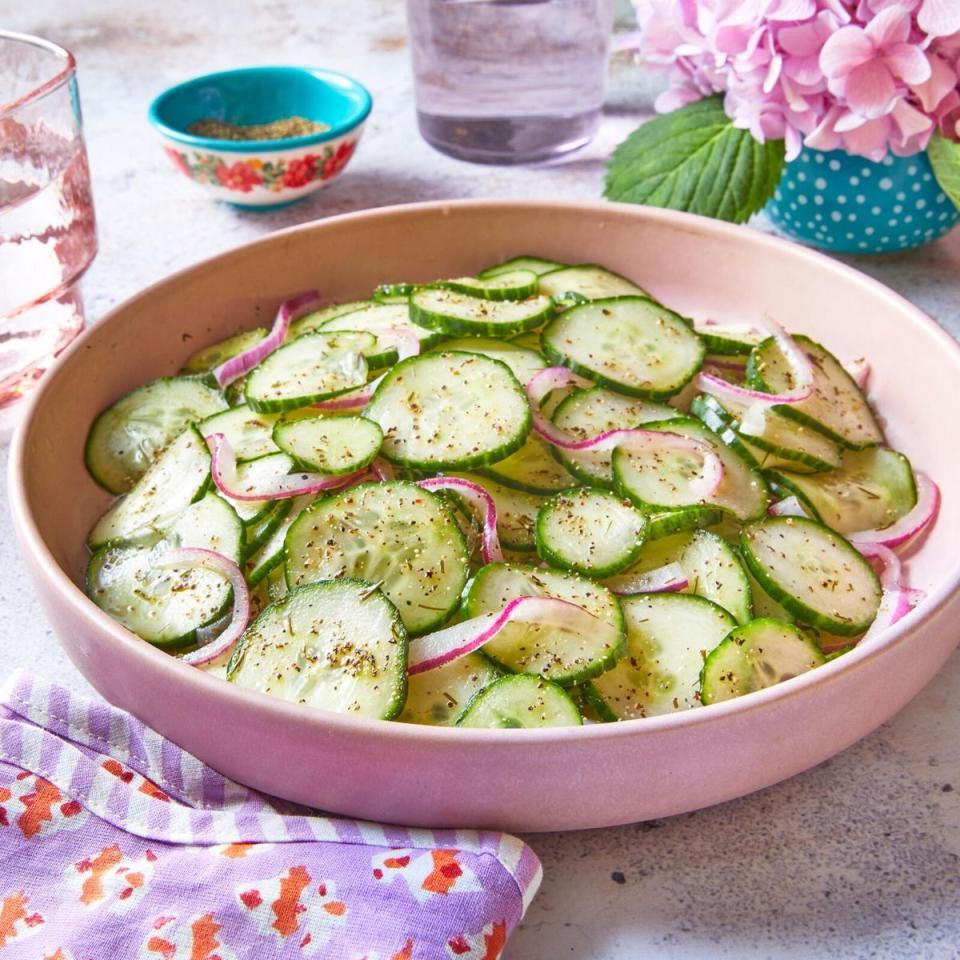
(115, 843)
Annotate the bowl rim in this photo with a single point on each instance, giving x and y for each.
(175, 671)
(333, 79)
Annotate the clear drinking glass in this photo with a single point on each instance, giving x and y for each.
(509, 81)
(47, 231)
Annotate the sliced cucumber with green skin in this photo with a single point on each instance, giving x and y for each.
(178, 478)
(450, 411)
(681, 520)
(531, 469)
(438, 697)
(782, 440)
(589, 281)
(394, 534)
(204, 360)
(837, 407)
(668, 636)
(871, 490)
(271, 553)
(757, 655)
(167, 605)
(816, 574)
(452, 312)
(521, 702)
(660, 482)
(254, 475)
(249, 432)
(522, 362)
(729, 340)
(333, 445)
(653, 554)
(588, 413)
(529, 339)
(257, 534)
(629, 344)
(382, 320)
(561, 656)
(590, 531)
(126, 438)
(763, 604)
(313, 367)
(536, 264)
(715, 572)
(315, 320)
(336, 645)
(516, 511)
(393, 292)
(509, 285)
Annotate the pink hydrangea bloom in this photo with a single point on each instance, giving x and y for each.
(865, 76)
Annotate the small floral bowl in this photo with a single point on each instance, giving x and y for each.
(263, 174)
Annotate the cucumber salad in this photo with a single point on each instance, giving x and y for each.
(528, 498)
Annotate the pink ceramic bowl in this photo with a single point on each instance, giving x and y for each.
(513, 779)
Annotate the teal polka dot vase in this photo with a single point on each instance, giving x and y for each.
(851, 205)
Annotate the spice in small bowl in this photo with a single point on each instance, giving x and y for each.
(282, 129)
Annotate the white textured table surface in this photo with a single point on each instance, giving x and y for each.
(857, 858)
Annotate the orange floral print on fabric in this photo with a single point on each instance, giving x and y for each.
(488, 944)
(17, 922)
(126, 775)
(199, 939)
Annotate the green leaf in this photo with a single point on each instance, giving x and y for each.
(944, 157)
(694, 159)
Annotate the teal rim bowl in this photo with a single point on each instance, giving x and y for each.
(255, 95)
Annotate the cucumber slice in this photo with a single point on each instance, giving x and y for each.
(311, 368)
(334, 445)
(716, 573)
(661, 482)
(509, 285)
(450, 411)
(529, 339)
(315, 320)
(516, 512)
(523, 363)
(248, 432)
(871, 490)
(127, 438)
(629, 344)
(381, 319)
(653, 554)
(204, 360)
(336, 645)
(561, 656)
(837, 408)
(451, 312)
(521, 701)
(393, 292)
(394, 534)
(668, 636)
(588, 281)
(531, 469)
(253, 475)
(589, 531)
(271, 552)
(729, 340)
(783, 441)
(764, 606)
(588, 413)
(257, 534)
(816, 574)
(178, 478)
(537, 264)
(681, 520)
(166, 605)
(438, 697)
(756, 655)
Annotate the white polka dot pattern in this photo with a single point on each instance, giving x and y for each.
(848, 204)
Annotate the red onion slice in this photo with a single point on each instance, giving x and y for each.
(444, 646)
(859, 371)
(383, 470)
(198, 558)
(407, 346)
(482, 502)
(669, 578)
(243, 363)
(639, 441)
(787, 507)
(908, 526)
(223, 468)
(897, 600)
(797, 360)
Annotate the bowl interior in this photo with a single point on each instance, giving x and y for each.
(262, 95)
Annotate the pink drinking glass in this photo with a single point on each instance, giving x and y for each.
(47, 230)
